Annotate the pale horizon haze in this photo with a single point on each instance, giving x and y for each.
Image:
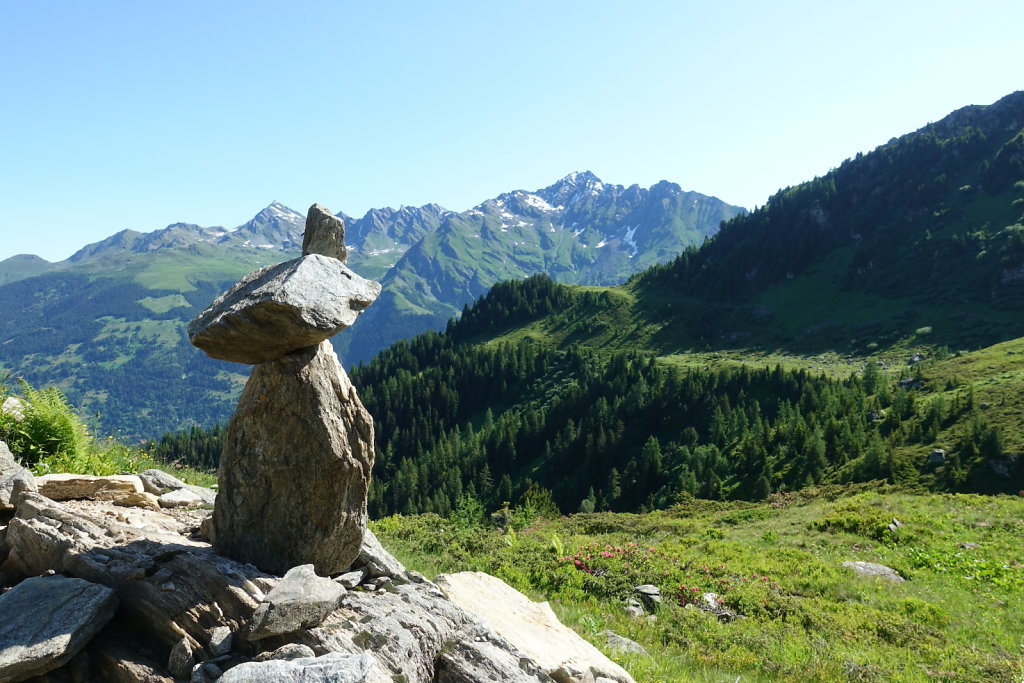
(122, 115)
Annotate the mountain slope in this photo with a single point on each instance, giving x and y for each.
(923, 233)
(578, 230)
(695, 377)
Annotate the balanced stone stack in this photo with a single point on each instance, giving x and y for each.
(295, 469)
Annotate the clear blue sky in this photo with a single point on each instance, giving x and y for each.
(139, 114)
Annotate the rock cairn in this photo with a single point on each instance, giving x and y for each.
(295, 470)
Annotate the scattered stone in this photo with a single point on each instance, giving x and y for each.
(376, 561)
(206, 672)
(968, 545)
(286, 652)
(876, 570)
(220, 640)
(281, 505)
(181, 659)
(300, 600)
(159, 482)
(333, 667)
(282, 308)
(325, 234)
(531, 627)
(47, 620)
(137, 500)
(350, 580)
(180, 498)
(650, 595)
(206, 528)
(634, 608)
(619, 643)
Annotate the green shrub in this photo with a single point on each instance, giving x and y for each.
(49, 428)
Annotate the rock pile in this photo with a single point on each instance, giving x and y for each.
(136, 594)
(295, 469)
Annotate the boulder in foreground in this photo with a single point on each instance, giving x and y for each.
(295, 469)
(531, 627)
(46, 620)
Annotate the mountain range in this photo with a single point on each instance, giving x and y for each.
(107, 324)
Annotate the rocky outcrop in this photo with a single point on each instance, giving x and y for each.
(531, 627)
(188, 613)
(295, 469)
(282, 308)
(46, 620)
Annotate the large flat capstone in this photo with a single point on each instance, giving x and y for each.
(282, 308)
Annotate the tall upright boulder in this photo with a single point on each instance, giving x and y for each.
(295, 469)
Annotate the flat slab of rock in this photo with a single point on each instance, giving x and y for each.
(877, 570)
(86, 487)
(282, 308)
(333, 667)
(295, 469)
(301, 599)
(531, 627)
(46, 620)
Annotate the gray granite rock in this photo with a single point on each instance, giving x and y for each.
(282, 308)
(619, 643)
(159, 482)
(325, 234)
(220, 640)
(300, 600)
(376, 561)
(876, 570)
(286, 651)
(181, 660)
(179, 498)
(350, 580)
(46, 620)
(333, 667)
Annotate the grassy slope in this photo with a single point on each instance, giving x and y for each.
(955, 618)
